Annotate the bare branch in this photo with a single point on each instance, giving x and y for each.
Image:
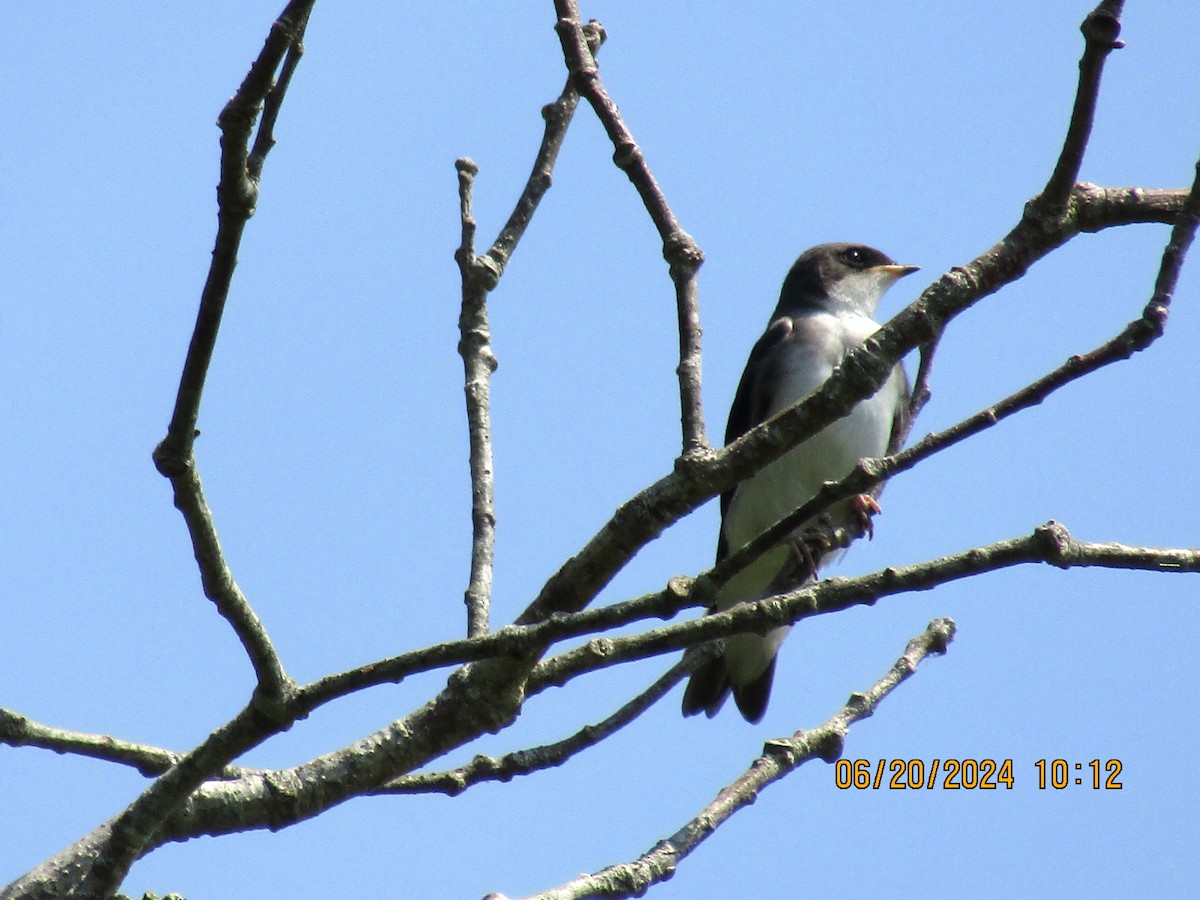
(780, 758)
(111, 849)
(558, 116)
(479, 362)
(283, 797)
(480, 275)
(524, 762)
(680, 251)
(237, 194)
(1173, 256)
(1100, 30)
(470, 705)
(17, 730)
(216, 578)
(1051, 544)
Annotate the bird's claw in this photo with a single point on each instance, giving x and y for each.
(808, 548)
(864, 508)
(810, 545)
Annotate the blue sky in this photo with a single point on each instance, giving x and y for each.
(333, 445)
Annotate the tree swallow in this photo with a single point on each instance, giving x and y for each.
(825, 311)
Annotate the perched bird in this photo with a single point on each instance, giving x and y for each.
(825, 310)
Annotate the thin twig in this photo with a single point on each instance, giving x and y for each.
(920, 393)
(479, 363)
(264, 140)
(1182, 235)
(237, 195)
(480, 275)
(217, 581)
(558, 116)
(1100, 30)
(17, 730)
(780, 757)
(680, 250)
(524, 762)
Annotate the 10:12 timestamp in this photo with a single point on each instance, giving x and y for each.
(1060, 773)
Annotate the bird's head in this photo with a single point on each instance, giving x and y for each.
(839, 277)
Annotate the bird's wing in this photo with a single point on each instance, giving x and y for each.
(752, 402)
(900, 419)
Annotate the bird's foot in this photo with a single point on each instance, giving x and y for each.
(809, 546)
(864, 509)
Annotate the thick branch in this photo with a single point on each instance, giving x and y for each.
(780, 758)
(471, 704)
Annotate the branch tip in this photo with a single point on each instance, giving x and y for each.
(940, 633)
(1102, 26)
(595, 34)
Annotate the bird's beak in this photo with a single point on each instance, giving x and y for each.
(898, 271)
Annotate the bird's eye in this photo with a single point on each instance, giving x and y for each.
(853, 256)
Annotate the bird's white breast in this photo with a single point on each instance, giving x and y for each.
(829, 455)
